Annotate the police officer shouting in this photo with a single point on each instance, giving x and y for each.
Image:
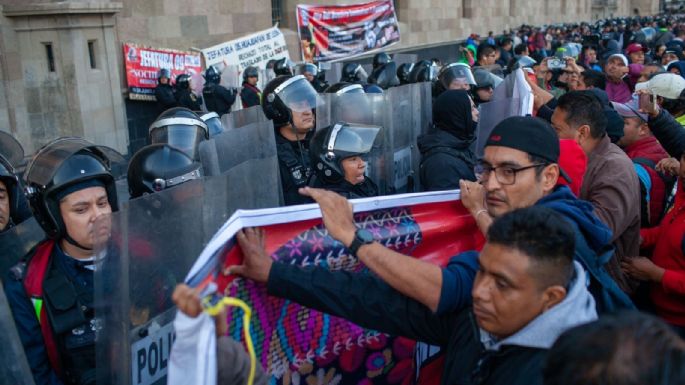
(217, 97)
(69, 187)
(290, 102)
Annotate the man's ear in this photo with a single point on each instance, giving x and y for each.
(584, 132)
(552, 296)
(550, 176)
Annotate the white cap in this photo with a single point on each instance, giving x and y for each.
(667, 85)
(621, 56)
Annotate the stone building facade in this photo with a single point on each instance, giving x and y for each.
(62, 69)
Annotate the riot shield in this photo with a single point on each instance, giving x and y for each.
(248, 156)
(491, 114)
(243, 117)
(16, 242)
(334, 73)
(11, 149)
(152, 244)
(14, 369)
(230, 76)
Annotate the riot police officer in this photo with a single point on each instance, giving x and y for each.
(157, 167)
(250, 95)
(486, 82)
(311, 72)
(353, 73)
(282, 67)
(164, 93)
(289, 101)
(13, 205)
(403, 72)
(69, 187)
(185, 96)
(217, 98)
(380, 59)
(337, 154)
(181, 128)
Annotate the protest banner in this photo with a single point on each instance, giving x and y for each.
(292, 341)
(143, 65)
(334, 32)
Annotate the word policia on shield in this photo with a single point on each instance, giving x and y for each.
(293, 342)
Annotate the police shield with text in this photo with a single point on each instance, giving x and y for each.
(290, 102)
(69, 186)
(217, 98)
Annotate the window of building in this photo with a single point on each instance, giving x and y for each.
(50, 56)
(92, 46)
(276, 14)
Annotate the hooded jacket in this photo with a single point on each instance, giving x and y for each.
(668, 240)
(649, 148)
(367, 301)
(446, 155)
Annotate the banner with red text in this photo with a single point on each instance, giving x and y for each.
(341, 31)
(143, 65)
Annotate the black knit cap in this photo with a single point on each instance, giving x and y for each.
(530, 135)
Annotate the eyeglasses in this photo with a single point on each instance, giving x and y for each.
(505, 175)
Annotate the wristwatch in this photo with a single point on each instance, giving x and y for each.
(361, 237)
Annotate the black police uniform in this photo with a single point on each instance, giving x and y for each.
(365, 189)
(187, 99)
(165, 97)
(293, 162)
(217, 98)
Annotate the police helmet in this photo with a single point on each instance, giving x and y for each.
(403, 72)
(353, 73)
(9, 178)
(423, 71)
(282, 67)
(250, 72)
(330, 145)
(163, 73)
(385, 76)
(157, 167)
(213, 122)
(485, 79)
(285, 94)
(524, 62)
(183, 81)
(373, 89)
(456, 73)
(181, 128)
(60, 166)
(381, 58)
(212, 75)
(344, 88)
(304, 68)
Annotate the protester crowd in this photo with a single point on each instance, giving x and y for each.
(581, 279)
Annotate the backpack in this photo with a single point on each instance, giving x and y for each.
(646, 186)
(609, 298)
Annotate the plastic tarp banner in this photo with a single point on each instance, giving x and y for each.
(294, 342)
(343, 31)
(143, 64)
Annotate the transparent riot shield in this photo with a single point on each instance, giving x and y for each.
(490, 115)
(14, 369)
(334, 73)
(248, 156)
(152, 244)
(16, 242)
(230, 76)
(243, 117)
(11, 149)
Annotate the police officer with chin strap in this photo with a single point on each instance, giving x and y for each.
(289, 101)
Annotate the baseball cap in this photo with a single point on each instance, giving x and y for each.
(667, 85)
(635, 47)
(530, 135)
(630, 109)
(620, 56)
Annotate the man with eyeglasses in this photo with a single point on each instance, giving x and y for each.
(645, 152)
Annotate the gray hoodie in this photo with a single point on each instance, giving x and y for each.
(576, 309)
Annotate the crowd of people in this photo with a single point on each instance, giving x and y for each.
(582, 276)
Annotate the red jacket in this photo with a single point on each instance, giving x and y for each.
(668, 240)
(649, 148)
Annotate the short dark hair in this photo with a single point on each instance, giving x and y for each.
(593, 78)
(485, 50)
(520, 48)
(505, 41)
(542, 234)
(583, 107)
(629, 348)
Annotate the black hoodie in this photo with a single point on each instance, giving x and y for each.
(447, 155)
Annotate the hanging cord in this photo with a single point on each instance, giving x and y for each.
(214, 305)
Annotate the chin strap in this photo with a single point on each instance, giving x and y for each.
(73, 242)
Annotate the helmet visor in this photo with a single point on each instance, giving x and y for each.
(302, 69)
(10, 149)
(298, 94)
(352, 138)
(184, 137)
(213, 123)
(455, 73)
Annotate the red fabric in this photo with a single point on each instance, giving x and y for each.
(33, 284)
(668, 296)
(573, 161)
(649, 148)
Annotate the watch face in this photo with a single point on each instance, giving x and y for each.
(365, 236)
